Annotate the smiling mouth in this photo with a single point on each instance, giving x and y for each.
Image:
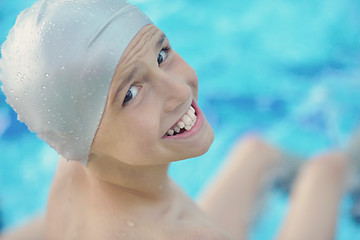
(186, 123)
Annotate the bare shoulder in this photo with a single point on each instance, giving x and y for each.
(206, 233)
(193, 223)
(129, 217)
(190, 232)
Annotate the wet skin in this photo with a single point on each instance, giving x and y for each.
(125, 193)
(125, 189)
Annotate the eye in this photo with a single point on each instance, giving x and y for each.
(131, 94)
(162, 55)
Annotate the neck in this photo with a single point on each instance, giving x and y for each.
(117, 177)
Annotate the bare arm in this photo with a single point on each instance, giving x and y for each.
(34, 230)
(230, 201)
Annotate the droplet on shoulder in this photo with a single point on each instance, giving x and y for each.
(130, 224)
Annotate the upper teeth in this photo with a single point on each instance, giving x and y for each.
(186, 122)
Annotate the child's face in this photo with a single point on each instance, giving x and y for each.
(153, 88)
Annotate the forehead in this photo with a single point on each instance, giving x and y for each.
(148, 39)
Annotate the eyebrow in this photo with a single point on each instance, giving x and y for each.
(161, 41)
(130, 76)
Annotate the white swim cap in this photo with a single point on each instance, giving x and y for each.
(57, 65)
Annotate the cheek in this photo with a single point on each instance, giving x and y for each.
(140, 150)
(144, 121)
(144, 130)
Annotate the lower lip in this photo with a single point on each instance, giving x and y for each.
(195, 129)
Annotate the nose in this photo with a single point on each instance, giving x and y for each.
(175, 91)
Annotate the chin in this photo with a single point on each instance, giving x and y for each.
(205, 145)
(202, 145)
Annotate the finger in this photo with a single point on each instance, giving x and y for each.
(315, 199)
(231, 199)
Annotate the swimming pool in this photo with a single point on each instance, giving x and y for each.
(287, 69)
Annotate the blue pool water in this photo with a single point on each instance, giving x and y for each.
(287, 69)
